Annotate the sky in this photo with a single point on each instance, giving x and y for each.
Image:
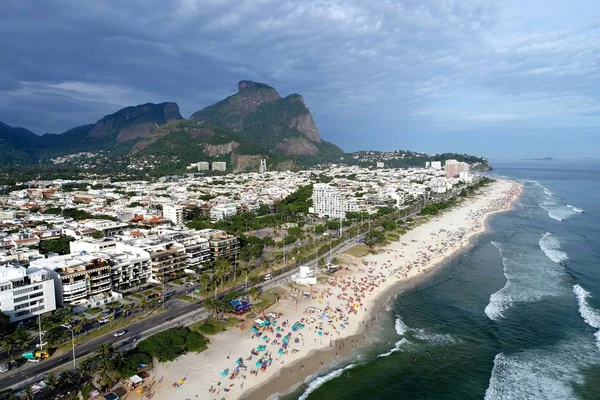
(499, 79)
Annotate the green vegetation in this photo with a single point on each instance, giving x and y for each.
(212, 326)
(436, 208)
(59, 246)
(172, 343)
(131, 361)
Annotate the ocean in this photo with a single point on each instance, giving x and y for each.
(517, 316)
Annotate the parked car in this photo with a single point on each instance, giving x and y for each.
(119, 333)
(268, 277)
(34, 360)
(103, 320)
(4, 367)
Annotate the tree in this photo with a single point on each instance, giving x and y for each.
(60, 245)
(105, 351)
(51, 380)
(319, 229)
(65, 379)
(221, 270)
(253, 292)
(97, 235)
(22, 336)
(10, 343)
(4, 324)
(29, 392)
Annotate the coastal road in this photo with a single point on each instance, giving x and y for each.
(32, 372)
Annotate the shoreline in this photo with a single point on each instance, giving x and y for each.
(359, 293)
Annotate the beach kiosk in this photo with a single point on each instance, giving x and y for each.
(306, 276)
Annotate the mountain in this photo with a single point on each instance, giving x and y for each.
(16, 145)
(252, 124)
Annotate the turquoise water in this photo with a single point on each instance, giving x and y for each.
(515, 317)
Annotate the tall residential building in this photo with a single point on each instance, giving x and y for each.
(219, 166)
(25, 292)
(129, 265)
(454, 168)
(329, 202)
(263, 166)
(174, 213)
(77, 277)
(197, 247)
(203, 166)
(436, 165)
(222, 244)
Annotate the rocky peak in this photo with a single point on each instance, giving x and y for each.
(137, 121)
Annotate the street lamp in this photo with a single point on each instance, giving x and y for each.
(70, 328)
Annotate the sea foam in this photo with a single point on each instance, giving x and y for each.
(398, 347)
(589, 315)
(321, 380)
(576, 209)
(400, 326)
(550, 245)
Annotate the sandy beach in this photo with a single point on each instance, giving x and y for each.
(312, 326)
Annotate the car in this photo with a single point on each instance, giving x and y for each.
(104, 320)
(268, 277)
(35, 360)
(4, 367)
(119, 333)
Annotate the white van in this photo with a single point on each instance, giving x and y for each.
(268, 277)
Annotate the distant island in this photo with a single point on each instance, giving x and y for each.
(539, 159)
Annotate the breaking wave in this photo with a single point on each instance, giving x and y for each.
(400, 326)
(527, 279)
(550, 245)
(542, 373)
(576, 209)
(321, 380)
(396, 348)
(589, 315)
(557, 212)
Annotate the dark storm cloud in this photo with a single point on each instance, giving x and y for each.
(404, 71)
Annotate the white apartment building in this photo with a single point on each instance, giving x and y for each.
(436, 165)
(107, 227)
(129, 265)
(222, 211)
(77, 277)
(329, 202)
(173, 213)
(197, 248)
(219, 166)
(25, 292)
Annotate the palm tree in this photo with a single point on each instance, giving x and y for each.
(106, 369)
(10, 343)
(212, 306)
(29, 393)
(105, 351)
(51, 381)
(65, 379)
(22, 337)
(253, 292)
(85, 366)
(204, 280)
(221, 270)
